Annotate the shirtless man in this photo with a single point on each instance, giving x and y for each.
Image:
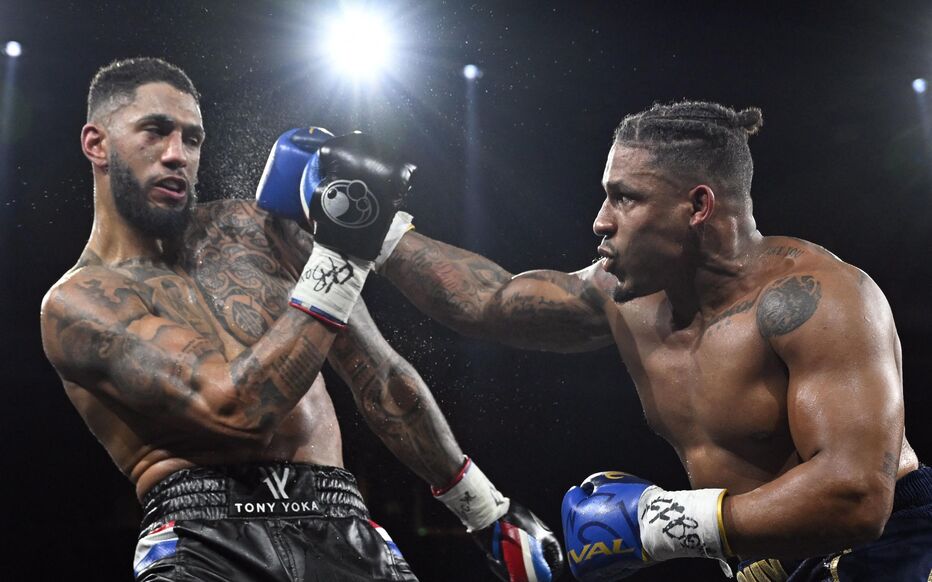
(174, 339)
(772, 367)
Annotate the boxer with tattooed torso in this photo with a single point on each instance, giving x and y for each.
(175, 341)
(772, 367)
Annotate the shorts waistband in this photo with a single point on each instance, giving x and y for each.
(913, 490)
(267, 490)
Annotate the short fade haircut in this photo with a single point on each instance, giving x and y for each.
(697, 138)
(116, 83)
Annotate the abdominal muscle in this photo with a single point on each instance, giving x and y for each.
(150, 451)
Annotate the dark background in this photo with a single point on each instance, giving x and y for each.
(842, 161)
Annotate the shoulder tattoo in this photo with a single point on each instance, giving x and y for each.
(788, 304)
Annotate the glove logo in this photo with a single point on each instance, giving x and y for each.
(350, 204)
(595, 549)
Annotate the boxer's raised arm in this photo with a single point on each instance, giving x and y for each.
(99, 334)
(546, 310)
(836, 335)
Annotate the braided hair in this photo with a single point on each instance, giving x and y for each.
(697, 138)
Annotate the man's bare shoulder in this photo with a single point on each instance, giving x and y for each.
(783, 257)
(800, 279)
(89, 294)
(243, 220)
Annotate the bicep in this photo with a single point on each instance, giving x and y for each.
(149, 364)
(844, 394)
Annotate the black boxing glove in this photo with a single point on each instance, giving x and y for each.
(351, 189)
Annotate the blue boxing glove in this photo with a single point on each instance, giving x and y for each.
(615, 524)
(518, 546)
(349, 188)
(279, 190)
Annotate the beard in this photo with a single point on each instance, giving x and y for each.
(129, 195)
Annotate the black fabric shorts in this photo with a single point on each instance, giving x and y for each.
(270, 522)
(902, 554)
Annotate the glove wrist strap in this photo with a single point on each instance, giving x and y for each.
(473, 498)
(681, 524)
(402, 222)
(330, 285)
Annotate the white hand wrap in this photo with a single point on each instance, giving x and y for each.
(330, 285)
(474, 499)
(401, 223)
(682, 524)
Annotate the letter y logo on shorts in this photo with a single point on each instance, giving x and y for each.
(277, 484)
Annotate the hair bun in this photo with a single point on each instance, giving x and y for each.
(751, 119)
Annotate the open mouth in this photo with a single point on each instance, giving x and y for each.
(172, 187)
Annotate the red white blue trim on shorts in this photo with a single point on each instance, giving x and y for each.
(521, 553)
(158, 544)
(387, 538)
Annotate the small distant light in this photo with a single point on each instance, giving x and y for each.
(13, 49)
(472, 72)
(919, 85)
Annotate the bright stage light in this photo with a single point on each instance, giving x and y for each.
(358, 43)
(472, 72)
(13, 49)
(919, 85)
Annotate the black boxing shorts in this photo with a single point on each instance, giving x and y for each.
(902, 554)
(263, 522)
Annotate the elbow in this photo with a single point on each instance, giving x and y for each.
(227, 415)
(866, 509)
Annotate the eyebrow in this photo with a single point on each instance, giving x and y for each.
(618, 186)
(162, 119)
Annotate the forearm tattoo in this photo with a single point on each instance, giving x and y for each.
(448, 283)
(476, 297)
(396, 404)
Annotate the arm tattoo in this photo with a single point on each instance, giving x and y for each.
(891, 464)
(145, 347)
(788, 304)
(270, 391)
(448, 283)
(395, 403)
(476, 297)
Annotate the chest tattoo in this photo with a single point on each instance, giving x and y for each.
(240, 275)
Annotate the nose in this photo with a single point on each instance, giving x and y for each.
(174, 155)
(603, 225)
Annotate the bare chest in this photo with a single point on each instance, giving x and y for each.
(228, 286)
(722, 388)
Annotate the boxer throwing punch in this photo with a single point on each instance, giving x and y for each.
(771, 366)
(175, 341)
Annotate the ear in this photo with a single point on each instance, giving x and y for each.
(702, 199)
(94, 145)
